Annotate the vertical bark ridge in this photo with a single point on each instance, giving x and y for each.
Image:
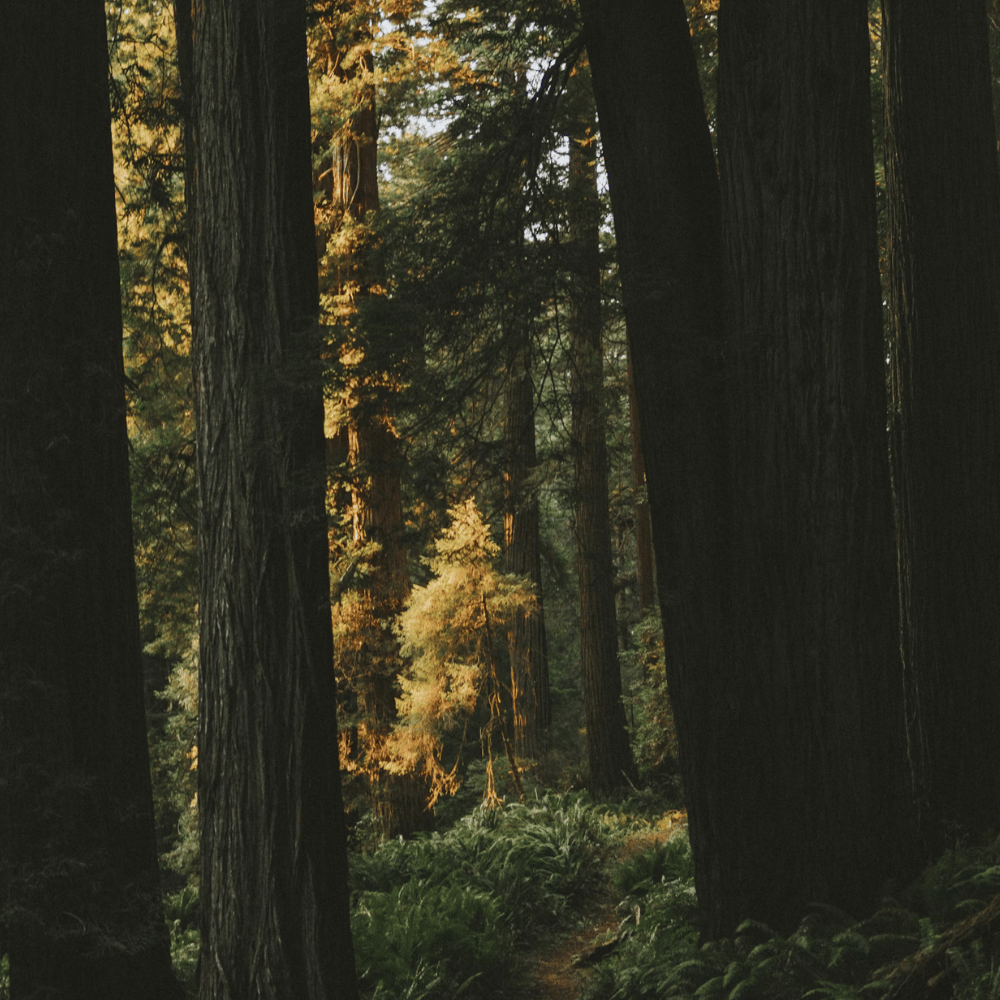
(274, 896)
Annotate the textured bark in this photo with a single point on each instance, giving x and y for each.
(944, 323)
(665, 199)
(368, 655)
(608, 751)
(273, 853)
(813, 777)
(80, 913)
(529, 672)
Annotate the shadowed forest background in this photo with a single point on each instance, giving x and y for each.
(462, 467)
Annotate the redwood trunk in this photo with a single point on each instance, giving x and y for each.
(368, 654)
(80, 908)
(609, 754)
(813, 769)
(944, 326)
(529, 675)
(274, 899)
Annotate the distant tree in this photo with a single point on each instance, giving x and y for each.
(944, 327)
(608, 751)
(273, 854)
(529, 672)
(80, 912)
(450, 632)
(530, 694)
(361, 426)
(645, 570)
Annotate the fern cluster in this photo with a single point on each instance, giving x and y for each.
(446, 910)
(938, 941)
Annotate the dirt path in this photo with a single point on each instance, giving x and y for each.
(552, 974)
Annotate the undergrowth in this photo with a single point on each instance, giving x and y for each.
(440, 915)
(939, 940)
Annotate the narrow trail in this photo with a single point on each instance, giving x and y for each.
(552, 971)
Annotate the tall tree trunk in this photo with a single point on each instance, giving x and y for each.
(274, 899)
(609, 754)
(814, 775)
(80, 910)
(369, 653)
(529, 672)
(944, 323)
(664, 193)
(644, 558)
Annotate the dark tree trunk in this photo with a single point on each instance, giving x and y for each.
(813, 777)
(529, 672)
(273, 890)
(609, 754)
(944, 323)
(665, 198)
(80, 912)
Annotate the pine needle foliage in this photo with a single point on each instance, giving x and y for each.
(448, 633)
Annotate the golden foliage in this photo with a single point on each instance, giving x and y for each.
(446, 632)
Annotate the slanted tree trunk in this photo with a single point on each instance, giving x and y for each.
(274, 899)
(608, 751)
(80, 909)
(665, 197)
(944, 325)
(814, 777)
(787, 723)
(529, 672)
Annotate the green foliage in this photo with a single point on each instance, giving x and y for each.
(669, 861)
(648, 709)
(181, 910)
(456, 902)
(959, 883)
(830, 955)
(457, 931)
(173, 759)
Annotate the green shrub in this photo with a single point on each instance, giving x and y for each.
(399, 935)
(959, 883)
(450, 905)
(181, 911)
(538, 860)
(664, 862)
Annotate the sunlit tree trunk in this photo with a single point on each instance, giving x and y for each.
(368, 652)
(609, 754)
(80, 909)
(814, 766)
(273, 853)
(944, 324)
(529, 674)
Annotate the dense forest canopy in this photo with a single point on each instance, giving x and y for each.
(513, 399)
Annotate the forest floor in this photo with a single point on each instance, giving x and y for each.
(558, 969)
